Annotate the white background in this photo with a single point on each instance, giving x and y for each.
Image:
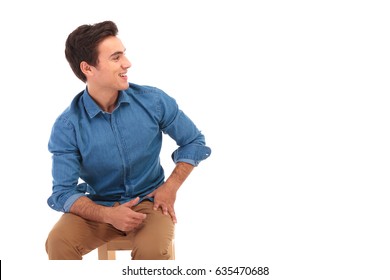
(292, 96)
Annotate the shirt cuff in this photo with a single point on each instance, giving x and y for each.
(191, 154)
(69, 202)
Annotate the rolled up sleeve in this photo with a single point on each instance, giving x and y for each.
(65, 167)
(174, 122)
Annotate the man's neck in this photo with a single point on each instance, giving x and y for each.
(106, 100)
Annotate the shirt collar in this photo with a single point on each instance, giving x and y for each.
(93, 109)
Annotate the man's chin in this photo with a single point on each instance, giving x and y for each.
(124, 87)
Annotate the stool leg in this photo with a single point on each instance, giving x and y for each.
(103, 252)
(111, 255)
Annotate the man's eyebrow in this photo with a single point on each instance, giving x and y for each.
(118, 53)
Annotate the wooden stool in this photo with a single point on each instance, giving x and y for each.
(107, 251)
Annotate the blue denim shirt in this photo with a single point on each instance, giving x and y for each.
(116, 155)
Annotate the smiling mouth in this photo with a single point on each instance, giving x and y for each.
(123, 75)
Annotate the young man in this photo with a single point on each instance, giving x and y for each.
(110, 137)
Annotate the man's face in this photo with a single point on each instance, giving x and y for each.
(111, 70)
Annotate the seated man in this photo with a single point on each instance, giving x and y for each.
(110, 137)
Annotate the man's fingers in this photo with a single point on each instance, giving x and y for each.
(139, 217)
(173, 215)
(131, 203)
(156, 205)
(166, 210)
(163, 207)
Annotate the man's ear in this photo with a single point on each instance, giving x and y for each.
(86, 68)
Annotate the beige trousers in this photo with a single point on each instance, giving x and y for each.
(73, 236)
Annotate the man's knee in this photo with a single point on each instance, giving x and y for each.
(59, 247)
(152, 253)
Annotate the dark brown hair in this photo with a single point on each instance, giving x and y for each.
(82, 44)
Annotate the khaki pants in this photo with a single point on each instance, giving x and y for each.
(73, 236)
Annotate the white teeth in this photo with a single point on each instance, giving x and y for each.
(122, 75)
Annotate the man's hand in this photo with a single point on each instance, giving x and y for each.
(164, 198)
(124, 218)
(165, 195)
